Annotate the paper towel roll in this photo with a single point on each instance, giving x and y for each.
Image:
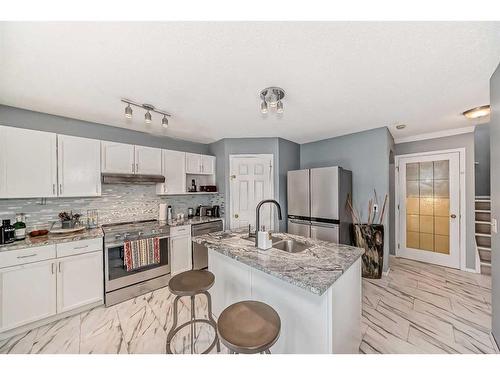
(162, 216)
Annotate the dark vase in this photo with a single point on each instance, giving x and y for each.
(371, 238)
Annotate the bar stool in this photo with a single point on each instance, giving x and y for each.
(190, 284)
(249, 327)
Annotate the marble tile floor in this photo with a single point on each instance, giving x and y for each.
(424, 308)
(138, 326)
(417, 308)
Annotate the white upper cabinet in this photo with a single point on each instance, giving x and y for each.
(207, 164)
(174, 170)
(28, 163)
(193, 163)
(147, 160)
(79, 166)
(117, 157)
(200, 164)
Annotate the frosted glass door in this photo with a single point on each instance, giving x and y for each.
(429, 209)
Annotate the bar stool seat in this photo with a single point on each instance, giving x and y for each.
(249, 327)
(189, 284)
(192, 282)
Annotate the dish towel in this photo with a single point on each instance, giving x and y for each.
(141, 253)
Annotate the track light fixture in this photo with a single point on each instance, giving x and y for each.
(148, 118)
(271, 97)
(128, 111)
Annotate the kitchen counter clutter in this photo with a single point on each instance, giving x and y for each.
(315, 269)
(193, 221)
(52, 239)
(315, 287)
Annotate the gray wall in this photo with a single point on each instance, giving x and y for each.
(457, 141)
(482, 158)
(289, 160)
(22, 118)
(285, 155)
(366, 154)
(495, 200)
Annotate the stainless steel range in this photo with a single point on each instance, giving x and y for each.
(120, 284)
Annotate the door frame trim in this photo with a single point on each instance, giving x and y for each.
(462, 199)
(231, 185)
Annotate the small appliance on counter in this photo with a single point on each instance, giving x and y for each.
(192, 188)
(208, 188)
(216, 211)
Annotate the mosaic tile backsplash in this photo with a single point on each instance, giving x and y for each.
(118, 203)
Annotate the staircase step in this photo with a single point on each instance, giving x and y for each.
(483, 228)
(485, 256)
(483, 234)
(483, 216)
(483, 205)
(483, 241)
(485, 269)
(483, 248)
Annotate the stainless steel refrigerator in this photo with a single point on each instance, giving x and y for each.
(317, 203)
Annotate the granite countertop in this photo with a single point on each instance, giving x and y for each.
(51, 239)
(193, 221)
(315, 269)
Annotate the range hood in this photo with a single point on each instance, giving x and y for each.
(140, 179)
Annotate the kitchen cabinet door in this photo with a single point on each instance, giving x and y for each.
(79, 281)
(28, 163)
(207, 164)
(147, 160)
(174, 170)
(193, 163)
(79, 166)
(180, 254)
(27, 294)
(117, 158)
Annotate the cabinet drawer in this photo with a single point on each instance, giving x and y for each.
(29, 255)
(79, 247)
(181, 230)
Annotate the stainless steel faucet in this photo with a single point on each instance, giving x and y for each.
(257, 214)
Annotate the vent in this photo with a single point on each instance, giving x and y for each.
(139, 179)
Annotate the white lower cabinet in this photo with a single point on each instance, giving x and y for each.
(181, 251)
(27, 293)
(34, 291)
(79, 281)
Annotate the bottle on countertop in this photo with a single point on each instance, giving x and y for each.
(193, 186)
(20, 228)
(8, 231)
(169, 213)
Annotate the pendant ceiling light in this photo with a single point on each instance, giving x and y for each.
(148, 118)
(272, 97)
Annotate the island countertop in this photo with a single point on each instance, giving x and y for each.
(315, 269)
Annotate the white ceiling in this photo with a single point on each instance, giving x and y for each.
(339, 77)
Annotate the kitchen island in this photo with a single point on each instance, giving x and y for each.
(316, 292)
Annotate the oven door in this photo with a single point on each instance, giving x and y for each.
(115, 271)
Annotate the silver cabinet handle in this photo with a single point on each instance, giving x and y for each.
(60, 189)
(136, 167)
(52, 268)
(26, 256)
(54, 189)
(133, 168)
(60, 267)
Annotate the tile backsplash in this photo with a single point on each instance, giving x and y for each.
(118, 203)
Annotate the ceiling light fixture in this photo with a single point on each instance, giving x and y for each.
(148, 118)
(271, 97)
(400, 126)
(477, 112)
(128, 111)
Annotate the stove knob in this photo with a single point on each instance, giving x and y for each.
(141, 233)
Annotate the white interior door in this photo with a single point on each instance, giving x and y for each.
(251, 182)
(429, 208)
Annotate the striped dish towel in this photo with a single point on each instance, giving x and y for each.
(141, 253)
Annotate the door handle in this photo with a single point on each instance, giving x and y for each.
(236, 216)
(453, 216)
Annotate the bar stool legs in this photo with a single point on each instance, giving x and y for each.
(192, 323)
